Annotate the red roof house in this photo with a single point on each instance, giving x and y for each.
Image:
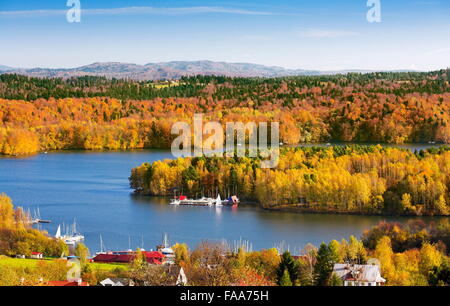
(37, 255)
(68, 284)
(155, 258)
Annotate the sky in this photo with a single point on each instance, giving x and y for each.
(300, 34)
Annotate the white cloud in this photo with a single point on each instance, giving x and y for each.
(140, 10)
(318, 33)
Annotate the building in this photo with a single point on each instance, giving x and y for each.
(78, 283)
(359, 275)
(153, 258)
(182, 278)
(168, 275)
(36, 255)
(117, 282)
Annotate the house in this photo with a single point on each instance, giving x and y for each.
(181, 279)
(153, 258)
(36, 255)
(117, 282)
(359, 275)
(77, 283)
(171, 275)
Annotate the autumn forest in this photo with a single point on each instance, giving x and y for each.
(95, 113)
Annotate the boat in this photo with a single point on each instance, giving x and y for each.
(219, 201)
(70, 237)
(184, 201)
(34, 218)
(101, 247)
(231, 201)
(166, 250)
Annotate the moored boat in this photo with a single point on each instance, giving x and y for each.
(183, 200)
(71, 237)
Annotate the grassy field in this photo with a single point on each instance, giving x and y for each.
(18, 263)
(32, 263)
(108, 267)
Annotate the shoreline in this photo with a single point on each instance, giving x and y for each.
(300, 145)
(298, 209)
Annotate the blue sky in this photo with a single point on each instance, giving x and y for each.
(319, 34)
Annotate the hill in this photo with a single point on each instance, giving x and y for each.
(169, 70)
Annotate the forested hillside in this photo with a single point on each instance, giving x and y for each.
(96, 113)
(17, 237)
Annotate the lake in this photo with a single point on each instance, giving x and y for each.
(92, 187)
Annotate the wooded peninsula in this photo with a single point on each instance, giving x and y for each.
(352, 179)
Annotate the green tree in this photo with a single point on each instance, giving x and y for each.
(285, 280)
(336, 281)
(289, 264)
(82, 252)
(324, 266)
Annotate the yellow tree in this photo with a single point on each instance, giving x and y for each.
(430, 258)
(384, 253)
(6, 211)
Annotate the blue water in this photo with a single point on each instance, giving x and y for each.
(92, 187)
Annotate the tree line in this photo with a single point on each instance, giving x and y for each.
(99, 114)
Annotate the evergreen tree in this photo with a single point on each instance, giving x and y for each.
(285, 280)
(324, 266)
(336, 281)
(289, 264)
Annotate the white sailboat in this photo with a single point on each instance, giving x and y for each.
(58, 232)
(70, 237)
(102, 251)
(219, 201)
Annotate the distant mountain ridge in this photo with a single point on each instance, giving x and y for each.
(5, 68)
(169, 70)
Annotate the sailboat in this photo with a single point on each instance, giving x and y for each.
(70, 237)
(167, 251)
(101, 247)
(58, 232)
(219, 201)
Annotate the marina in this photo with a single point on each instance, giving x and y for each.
(184, 201)
(35, 218)
(71, 236)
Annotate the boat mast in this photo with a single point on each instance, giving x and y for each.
(165, 240)
(101, 244)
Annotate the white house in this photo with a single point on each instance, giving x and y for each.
(182, 279)
(117, 282)
(36, 255)
(359, 275)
